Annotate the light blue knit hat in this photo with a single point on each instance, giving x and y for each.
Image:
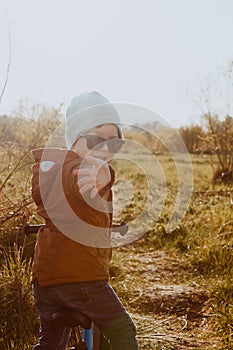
(87, 111)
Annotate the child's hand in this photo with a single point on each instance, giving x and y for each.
(94, 176)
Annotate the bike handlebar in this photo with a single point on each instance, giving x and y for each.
(121, 228)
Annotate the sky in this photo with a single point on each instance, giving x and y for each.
(151, 53)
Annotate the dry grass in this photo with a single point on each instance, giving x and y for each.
(176, 285)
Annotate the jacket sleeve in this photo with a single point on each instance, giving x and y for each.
(110, 184)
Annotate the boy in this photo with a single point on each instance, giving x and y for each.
(72, 191)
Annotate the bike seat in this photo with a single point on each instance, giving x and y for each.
(70, 319)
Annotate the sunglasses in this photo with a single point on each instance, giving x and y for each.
(97, 142)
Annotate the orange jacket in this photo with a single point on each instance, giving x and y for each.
(67, 249)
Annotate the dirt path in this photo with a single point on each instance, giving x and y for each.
(171, 311)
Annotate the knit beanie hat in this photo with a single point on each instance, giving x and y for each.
(87, 111)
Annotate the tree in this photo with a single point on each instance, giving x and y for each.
(214, 97)
(219, 139)
(191, 137)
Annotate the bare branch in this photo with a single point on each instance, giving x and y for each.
(9, 63)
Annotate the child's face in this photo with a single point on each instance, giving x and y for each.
(106, 132)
